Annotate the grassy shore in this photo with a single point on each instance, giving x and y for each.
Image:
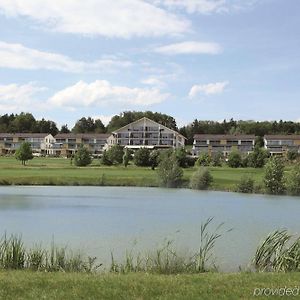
(39, 285)
(59, 171)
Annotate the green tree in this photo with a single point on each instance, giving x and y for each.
(245, 185)
(169, 173)
(293, 181)
(204, 160)
(154, 159)
(105, 159)
(142, 157)
(292, 155)
(273, 177)
(24, 153)
(182, 157)
(234, 159)
(201, 179)
(216, 160)
(115, 154)
(258, 157)
(82, 157)
(127, 157)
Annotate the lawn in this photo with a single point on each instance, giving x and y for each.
(59, 171)
(39, 285)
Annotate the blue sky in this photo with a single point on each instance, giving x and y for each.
(205, 59)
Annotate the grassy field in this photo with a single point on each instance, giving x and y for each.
(59, 171)
(37, 285)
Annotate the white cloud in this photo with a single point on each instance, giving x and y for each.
(117, 18)
(154, 81)
(208, 89)
(207, 6)
(16, 98)
(101, 92)
(104, 118)
(18, 56)
(191, 47)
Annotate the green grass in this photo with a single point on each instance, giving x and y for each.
(38, 285)
(59, 171)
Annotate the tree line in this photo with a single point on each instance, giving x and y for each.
(26, 123)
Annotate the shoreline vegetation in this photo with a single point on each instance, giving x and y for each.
(60, 172)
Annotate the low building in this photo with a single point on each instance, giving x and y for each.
(146, 133)
(40, 142)
(222, 143)
(280, 144)
(67, 144)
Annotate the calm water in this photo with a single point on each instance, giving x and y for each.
(97, 220)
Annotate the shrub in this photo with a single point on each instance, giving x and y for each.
(115, 154)
(216, 160)
(203, 160)
(292, 155)
(105, 160)
(258, 158)
(82, 157)
(201, 179)
(182, 158)
(169, 173)
(273, 178)
(293, 181)
(127, 157)
(142, 157)
(234, 159)
(246, 185)
(154, 159)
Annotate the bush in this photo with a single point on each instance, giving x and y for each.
(142, 157)
(234, 159)
(201, 179)
(293, 181)
(258, 158)
(82, 157)
(127, 157)
(203, 160)
(154, 159)
(246, 185)
(182, 158)
(115, 154)
(292, 155)
(169, 173)
(216, 160)
(273, 178)
(105, 160)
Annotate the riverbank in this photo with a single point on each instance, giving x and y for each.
(59, 171)
(40, 285)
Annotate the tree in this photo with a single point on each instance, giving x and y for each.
(142, 157)
(181, 156)
(64, 129)
(257, 158)
(82, 157)
(293, 181)
(24, 153)
(105, 160)
(201, 179)
(245, 185)
(127, 157)
(217, 159)
(203, 160)
(88, 125)
(169, 173)
(273, 178)
(115, 154)
(292, 155)
(234, 159)
(154, 159)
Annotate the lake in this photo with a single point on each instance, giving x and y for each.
(98, 220)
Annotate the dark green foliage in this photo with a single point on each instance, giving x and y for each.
(182, 157)
(24, 153)
(257, 158)
(88, 125)
(201, 179)
(64, 129)
(127, 157)
(169, 173)
(142, 157)
(293, 181)
(246, 185)
(105, 159)
(217, 159)
(292, 155)
(234, 159)
(154, 159)
(273, 178)
(115, 154)
(82, 157)
(203, 160)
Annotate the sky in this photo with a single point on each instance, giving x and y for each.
(204, 59)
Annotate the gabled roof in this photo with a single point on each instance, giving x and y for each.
(225, 136)
(145, 118)
(282, 137)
